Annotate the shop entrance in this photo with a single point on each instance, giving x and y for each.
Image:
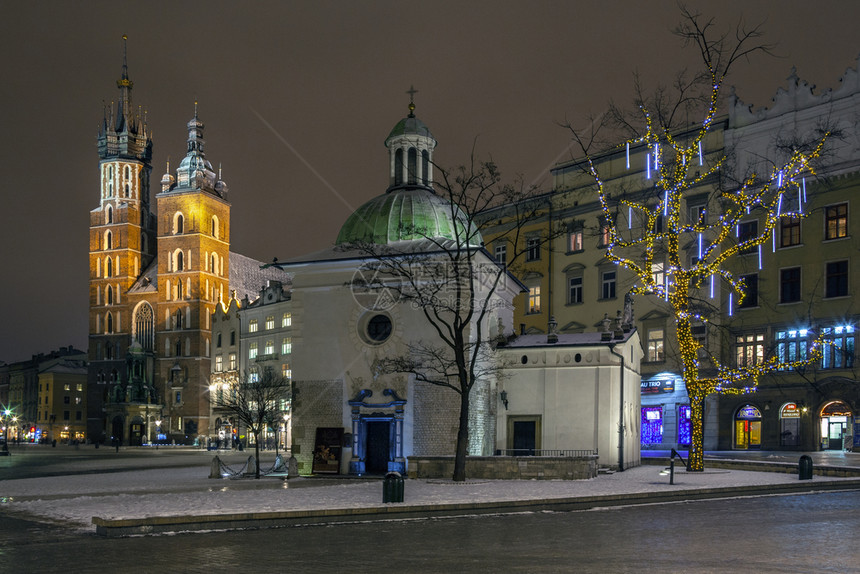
(748, 428)
(835, 420)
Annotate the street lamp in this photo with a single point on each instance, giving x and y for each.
(157, 432)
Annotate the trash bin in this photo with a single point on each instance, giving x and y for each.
(804, 468)
(392, 488)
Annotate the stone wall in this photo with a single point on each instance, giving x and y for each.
(320, 403)
(506, 467)
(437, 411)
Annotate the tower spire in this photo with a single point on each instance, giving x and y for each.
(411, 91)
(124, 119)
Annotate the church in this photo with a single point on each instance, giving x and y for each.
(158, 269)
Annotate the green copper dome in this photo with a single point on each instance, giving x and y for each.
(405, 214)
(410, 125)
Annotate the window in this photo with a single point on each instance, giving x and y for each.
(575, 289)
(65, 415)
(252, 326)
(605, 234)
(607, 285)
(286, 320)
(501, 254)
(750, 291)
(286, 371)
(270, 322)
(218, 341)
(658, 273)
(658, 224)
(698, 214)
(214, 226)
(109, 216)
(78, 400)
(109, 295)
(232, 338)
(270, 347)
(66, 387)
(180, 265)
(67, 400)
(232, 363)
(108, 240)
(534, 299)
(79, 387)
(533, 249)
(836, 221)
(839, 354)
(791, 346)
(178, 224)
(108, 268)
(789, 231)
(252, 350)
(655, 345)
(574, 240)
(789, 285)
(836, 279)
(219, 363)
(747, 231)
(379, 328)
(287, 346)
(749, 349)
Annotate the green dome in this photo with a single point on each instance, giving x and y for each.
(410, 125)
(404, 214)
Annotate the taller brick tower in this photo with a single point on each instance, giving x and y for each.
(122, 242)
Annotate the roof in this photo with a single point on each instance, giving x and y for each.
(410, 125)
(592, 339)
(248, 276)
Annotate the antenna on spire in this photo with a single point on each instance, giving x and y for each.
(195, 109)
(411, 91)
(219, 170)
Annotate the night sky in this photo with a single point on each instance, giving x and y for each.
(298, 98)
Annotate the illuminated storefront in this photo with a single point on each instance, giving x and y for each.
(748, 428)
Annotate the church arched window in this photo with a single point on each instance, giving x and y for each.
(178, 223)
(412, 157)
(127, 173)
(178, 348)
(179, 263)
(109, 324)
(126, 191)
(108, 267)
(109, 214)
(214, 264)
(425, 167)
(398, 167)
(109, 295)
(178, 319)
(215, 226)
(108, 240)
(144, 326)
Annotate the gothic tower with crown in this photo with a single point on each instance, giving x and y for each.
(154, 283)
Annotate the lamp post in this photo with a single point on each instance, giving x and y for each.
(157, 432)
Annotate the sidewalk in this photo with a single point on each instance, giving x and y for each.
(184, 499)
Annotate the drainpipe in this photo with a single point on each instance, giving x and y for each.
(620, 412)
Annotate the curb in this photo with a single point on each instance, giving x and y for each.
(119, 528)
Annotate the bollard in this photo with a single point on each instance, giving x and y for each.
(215, 469)
(672, 471)
(804, 468)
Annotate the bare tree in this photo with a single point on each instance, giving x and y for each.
(455, 283)
(255, 400)
(650, 224)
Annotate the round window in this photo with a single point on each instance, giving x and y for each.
(379, 328)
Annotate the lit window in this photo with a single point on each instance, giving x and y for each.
(287, 346)
(574, 240)
(219, 364)
(792, 345)
(836, 221)
(270, 322)
(698, 214)
(270, 347)
(658, 273)
(749, 349)
(232, 361)
(286, 320)
(252, 350)
(655, 345)
(66, 387)
(286, 371)
(839, 353)
(252, 326)
(789, 231)
(79, 387)
(534, 299)
(178, 224)
(254, 377)
(605, 234)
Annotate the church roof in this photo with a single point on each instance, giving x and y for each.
(408, 213)
(248, 276)
(410, 125)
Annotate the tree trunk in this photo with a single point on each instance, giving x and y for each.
(696, 457)
(462, 440)
(257, 452)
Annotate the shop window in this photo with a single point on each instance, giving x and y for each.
(652, 425)
(789, 425)
(685, 427)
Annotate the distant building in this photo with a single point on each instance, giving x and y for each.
(157, 273)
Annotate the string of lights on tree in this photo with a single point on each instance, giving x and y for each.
(676, 163)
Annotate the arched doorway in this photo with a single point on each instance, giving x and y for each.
(836, 418)
(748, 428)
